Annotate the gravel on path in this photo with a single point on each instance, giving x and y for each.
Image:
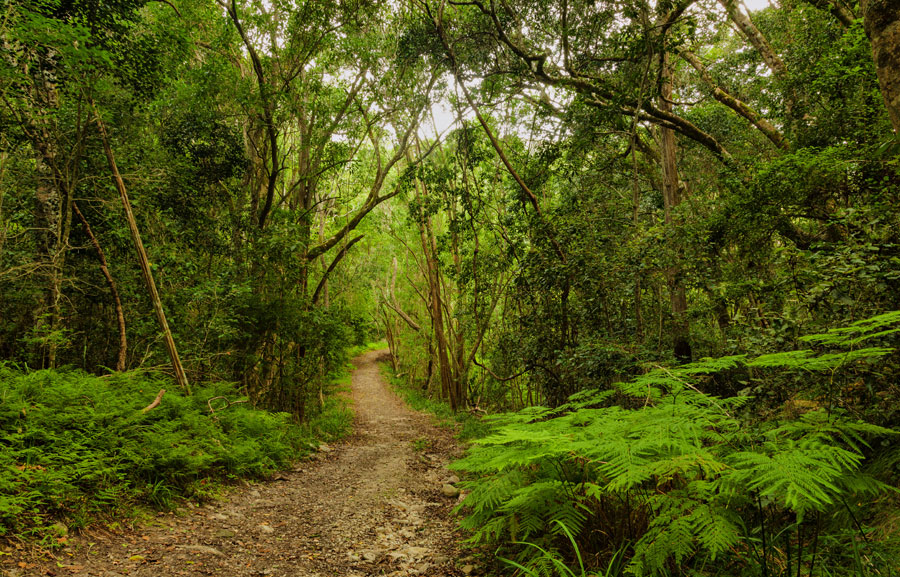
(372, 505)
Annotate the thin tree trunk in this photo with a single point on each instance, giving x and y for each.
(671, 200)
(48, 212)
(180, 376)
(636, 205)
(462, 367)
(3, 160)
(104, 268)
(326, 298)
(429, 250)
(437, 315)
(389, 326)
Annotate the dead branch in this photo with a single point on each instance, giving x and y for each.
(155, 402)
(227, 404)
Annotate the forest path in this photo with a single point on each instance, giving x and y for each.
(373, 505)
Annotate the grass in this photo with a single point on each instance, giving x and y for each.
(360, 349)
(335, 420)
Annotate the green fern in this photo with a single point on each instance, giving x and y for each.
(875, 327)
(683, 459)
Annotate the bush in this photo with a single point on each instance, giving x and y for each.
(74, 444)
(684, 482)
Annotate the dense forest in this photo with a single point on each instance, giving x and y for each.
(655, 242)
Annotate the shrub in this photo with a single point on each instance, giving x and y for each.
(75, 444)
(682, 480)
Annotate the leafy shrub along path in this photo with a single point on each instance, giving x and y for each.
(373, 505)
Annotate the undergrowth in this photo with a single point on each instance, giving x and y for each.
(373, 346)
(666, 480)
(76, 447)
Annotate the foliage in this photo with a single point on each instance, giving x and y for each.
(549, 563)
(697, 477)
(76, 446)
(645, 185)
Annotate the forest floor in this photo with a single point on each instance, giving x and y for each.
(372, 505)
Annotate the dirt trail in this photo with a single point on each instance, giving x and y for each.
(373, 505)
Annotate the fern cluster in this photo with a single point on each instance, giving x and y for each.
(73, 445)
(676, 473)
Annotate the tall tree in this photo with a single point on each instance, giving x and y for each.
(881, 19)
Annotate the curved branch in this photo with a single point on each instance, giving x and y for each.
(493, 139)
(337, 258)
(155, 402)
(406, 318)
(268, 117)
(113, 289)
(495, 375)
(761, 124)
(593, 89)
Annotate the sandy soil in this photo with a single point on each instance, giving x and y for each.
(373, 505)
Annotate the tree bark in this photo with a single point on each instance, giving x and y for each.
(671, 200)
(881, 20)
(437, 314)
(429, 251)
(755, 37)
(180, 376)
(50, 218)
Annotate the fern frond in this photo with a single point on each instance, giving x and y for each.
(715, 529)
(859, 331)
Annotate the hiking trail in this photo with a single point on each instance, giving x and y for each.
(374, 504)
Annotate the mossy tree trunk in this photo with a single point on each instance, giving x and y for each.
(881, 19)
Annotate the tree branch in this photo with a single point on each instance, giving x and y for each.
(761, 124)
(155, 402)
(332, 266)
(406, 318)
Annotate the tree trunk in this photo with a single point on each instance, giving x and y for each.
(326, 298)
(104, 268)
(4, 156)
(881, 20)
(461, 376)
(437, 315)
(49, 209)
(429, 251)
(180, 376)
(671, 200)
